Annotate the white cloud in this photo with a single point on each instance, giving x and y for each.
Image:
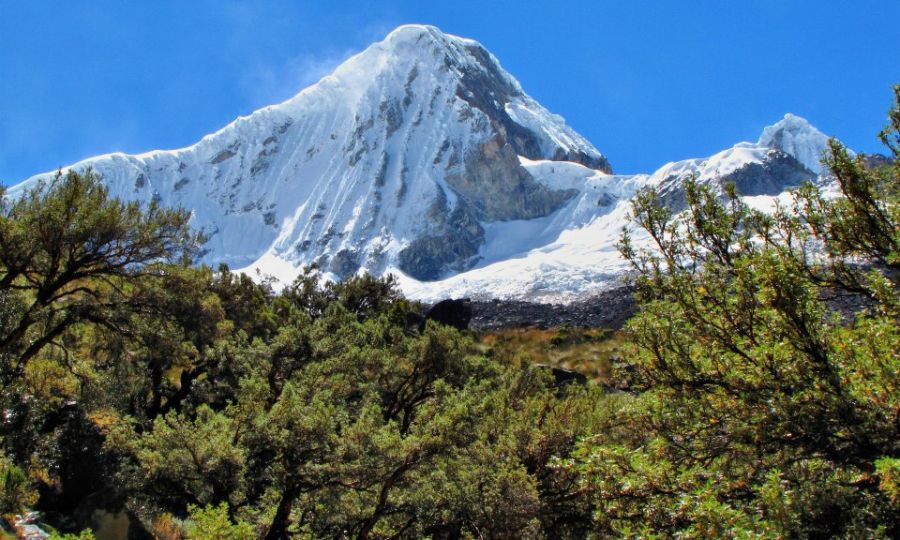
(267, 83)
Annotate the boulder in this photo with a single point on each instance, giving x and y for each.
(452, 312)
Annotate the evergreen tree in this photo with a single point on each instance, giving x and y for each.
(70, 254)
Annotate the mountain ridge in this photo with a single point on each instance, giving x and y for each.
(421, 156)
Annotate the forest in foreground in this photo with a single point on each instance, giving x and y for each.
(755, 394)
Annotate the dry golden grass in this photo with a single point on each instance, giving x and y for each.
(589, 351)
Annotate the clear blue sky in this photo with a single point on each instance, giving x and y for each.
(646, 82)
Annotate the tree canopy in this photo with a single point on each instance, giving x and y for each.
(765, 359)
(758, 394)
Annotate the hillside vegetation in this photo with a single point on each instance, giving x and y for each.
(591, 352)
(736, 403)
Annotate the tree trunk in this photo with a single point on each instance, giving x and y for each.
(281, 521)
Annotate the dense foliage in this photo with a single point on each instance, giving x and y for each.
(765, 356)
(758, 393)
(212, 407)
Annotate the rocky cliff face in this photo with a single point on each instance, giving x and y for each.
(572, 255)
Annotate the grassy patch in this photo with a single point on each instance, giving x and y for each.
(590, 351)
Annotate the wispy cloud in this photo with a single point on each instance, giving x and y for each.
(279, 52)
(375, 30)
(266, 83)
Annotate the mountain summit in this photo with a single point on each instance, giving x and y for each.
(395, 159)
(422, 156)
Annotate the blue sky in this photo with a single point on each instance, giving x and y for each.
(646, 82)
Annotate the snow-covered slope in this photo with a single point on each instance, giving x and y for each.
(572, 253)
(797, 137)
(394, 159)
(559, 258)
(421, 156)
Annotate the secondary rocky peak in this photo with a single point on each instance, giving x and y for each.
(796, 137)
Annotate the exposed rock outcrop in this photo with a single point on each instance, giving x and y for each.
(451, 312)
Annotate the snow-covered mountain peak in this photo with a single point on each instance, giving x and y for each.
(421, 156)
(401, 158)
(796, 137)
(415, 34)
